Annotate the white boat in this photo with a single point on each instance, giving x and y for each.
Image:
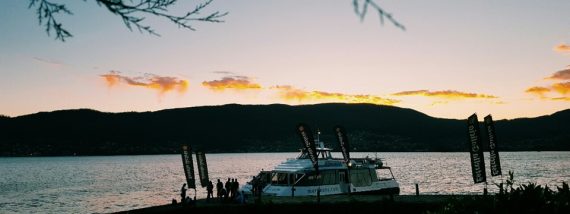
(297, 177)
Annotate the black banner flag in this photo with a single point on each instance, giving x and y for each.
(202, 168)
(342, 139)
(306, 136)
(493, 150)
(188, 166)
(476, 150)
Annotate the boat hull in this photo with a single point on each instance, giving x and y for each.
(387, 187)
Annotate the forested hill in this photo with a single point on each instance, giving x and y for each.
(262, 128)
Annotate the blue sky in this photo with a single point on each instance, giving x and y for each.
(450, 53)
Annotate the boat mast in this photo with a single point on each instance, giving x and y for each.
(318, 136)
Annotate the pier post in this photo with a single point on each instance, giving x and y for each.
(417, 189)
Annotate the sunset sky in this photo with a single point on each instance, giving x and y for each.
(508, 58)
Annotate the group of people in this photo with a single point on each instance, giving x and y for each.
(225, 192)
(229, 190)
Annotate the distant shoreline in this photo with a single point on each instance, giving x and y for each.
(264, 128)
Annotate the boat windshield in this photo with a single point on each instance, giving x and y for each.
(285, 179)
(384, 174)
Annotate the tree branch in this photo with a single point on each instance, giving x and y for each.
(46, 11)
(132, 12)
(361, 12)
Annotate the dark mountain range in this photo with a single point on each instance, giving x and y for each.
(262, 128)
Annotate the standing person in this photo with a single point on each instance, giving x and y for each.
(219, 187)
(259, 190)
(236, 186)
(183, 192)
(254, 184)
(233, 186)
(210, 189)
(228, 185)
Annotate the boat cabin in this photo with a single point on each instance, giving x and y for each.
(358, 172)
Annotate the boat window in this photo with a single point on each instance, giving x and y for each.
(292, 179)
(384, 174)
(309, 180)
(373, 175)
(360, 177)
(329, 178)
(325, 178)
(279, 179)
(265, 177)
(297, 179)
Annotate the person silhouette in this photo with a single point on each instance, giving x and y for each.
(254, 183)
(228, 186)
(210, 189)
(219, 187)
(183, 192)
(236, 187)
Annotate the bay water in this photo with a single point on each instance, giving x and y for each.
(103, 184)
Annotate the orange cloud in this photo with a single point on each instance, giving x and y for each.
(233, 82)
(447, 94)
(560, 75)
(152, 81)
(561, 99)
(562, 88)
(537, 90)
(562, 48)
(287, 92)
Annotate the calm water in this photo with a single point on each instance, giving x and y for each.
(109, 184)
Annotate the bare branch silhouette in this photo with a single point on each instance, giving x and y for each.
(132, 13)
(46, 11)
(362, 9)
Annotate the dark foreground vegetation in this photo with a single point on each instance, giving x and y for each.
(526, 198)
(262, 128)
(370, 204)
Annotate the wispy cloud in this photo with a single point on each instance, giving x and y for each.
(560, 75)
(233, 83)
(161, 83)
(50, 63)
(446, 94)
(562, 48)
(227, 73)
(538, 91)
(289, 93)
(561, 99)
